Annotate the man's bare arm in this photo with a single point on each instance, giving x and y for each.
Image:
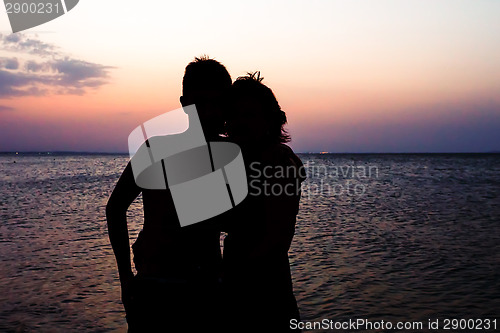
(122, 197)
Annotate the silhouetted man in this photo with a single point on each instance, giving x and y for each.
(177, 268)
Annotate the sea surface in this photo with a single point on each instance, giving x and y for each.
(392, 237)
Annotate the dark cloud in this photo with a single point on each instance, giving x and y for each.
(13, 38)
(19, 42)
(33, 66)
(57, 75)
(65, 77)
(79, 74)
(9, 63)
(14, 84)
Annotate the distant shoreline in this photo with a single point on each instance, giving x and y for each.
(68, 153)
(59, 153)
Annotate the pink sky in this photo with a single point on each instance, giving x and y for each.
(356, 76)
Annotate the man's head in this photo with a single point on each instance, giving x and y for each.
(206, 84)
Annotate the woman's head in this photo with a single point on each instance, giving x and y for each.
(256, 115)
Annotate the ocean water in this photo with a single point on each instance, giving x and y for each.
(396, 237)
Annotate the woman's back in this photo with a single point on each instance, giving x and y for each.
(256, 269)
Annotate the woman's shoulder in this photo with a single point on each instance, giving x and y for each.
(281, 154)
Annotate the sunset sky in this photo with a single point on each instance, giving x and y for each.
(352, 76)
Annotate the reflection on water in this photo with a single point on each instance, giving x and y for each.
(422, 240)
(418, 240)
(58, 271)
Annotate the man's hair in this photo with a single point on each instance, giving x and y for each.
(204, 72)
(251, 86)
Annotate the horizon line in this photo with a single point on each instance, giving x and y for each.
(47, 152)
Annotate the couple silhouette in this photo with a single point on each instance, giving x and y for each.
(183, 283)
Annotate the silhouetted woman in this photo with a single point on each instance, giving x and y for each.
(258, 286)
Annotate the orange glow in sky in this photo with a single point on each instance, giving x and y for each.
(357, 76)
